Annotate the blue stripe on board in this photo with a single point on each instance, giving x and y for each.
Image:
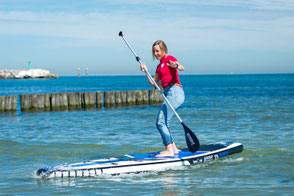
(147, 156)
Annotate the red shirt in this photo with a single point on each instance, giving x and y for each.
(167, 74)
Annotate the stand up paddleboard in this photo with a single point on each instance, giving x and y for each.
(141, 162)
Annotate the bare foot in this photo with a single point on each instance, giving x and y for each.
(175, 149)
(165, 154)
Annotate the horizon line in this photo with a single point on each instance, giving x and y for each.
(180, 74)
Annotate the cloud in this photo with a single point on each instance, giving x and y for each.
(250, 4)
(257, 31)
(67, 25)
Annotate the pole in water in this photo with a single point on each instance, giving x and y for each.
(86, 72)
(79, 72)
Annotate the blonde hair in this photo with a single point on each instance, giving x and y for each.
(161, 45)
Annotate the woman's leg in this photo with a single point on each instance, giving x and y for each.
(176, 97)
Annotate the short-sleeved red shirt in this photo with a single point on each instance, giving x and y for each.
(167, 74)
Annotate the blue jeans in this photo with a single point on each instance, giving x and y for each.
(175, 95)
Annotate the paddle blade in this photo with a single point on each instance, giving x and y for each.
(191, 139)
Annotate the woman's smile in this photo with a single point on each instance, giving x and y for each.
(158, 53)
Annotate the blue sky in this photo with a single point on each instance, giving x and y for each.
(207, 37)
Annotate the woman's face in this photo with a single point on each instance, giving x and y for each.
(158, 53)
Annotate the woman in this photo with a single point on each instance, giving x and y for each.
(167, 74)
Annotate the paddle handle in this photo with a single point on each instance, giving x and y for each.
(150, 77)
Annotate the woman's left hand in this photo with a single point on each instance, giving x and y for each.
(173, 64)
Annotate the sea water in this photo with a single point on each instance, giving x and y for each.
(256, 110)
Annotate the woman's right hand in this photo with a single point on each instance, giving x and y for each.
(143, 67)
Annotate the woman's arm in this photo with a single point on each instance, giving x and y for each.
(176, 65)
(156, 79)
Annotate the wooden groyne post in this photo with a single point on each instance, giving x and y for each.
(89, 100)
(120, 98)
(38, 102)
(25, 102)
(109, 99)
(59, 101)
(155, 97)
(99, 99)
(131, 98)
(8, 103)
(74, 100)
(142, 97)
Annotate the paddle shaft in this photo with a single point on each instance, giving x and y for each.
(150, 77)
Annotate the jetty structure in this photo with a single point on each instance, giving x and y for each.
(26, 74)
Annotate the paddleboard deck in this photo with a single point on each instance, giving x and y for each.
(141, 162)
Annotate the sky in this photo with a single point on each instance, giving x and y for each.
(206, 36)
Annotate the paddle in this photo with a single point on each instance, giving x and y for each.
(191, 139)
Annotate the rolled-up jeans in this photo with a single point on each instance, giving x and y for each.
(175, 95)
